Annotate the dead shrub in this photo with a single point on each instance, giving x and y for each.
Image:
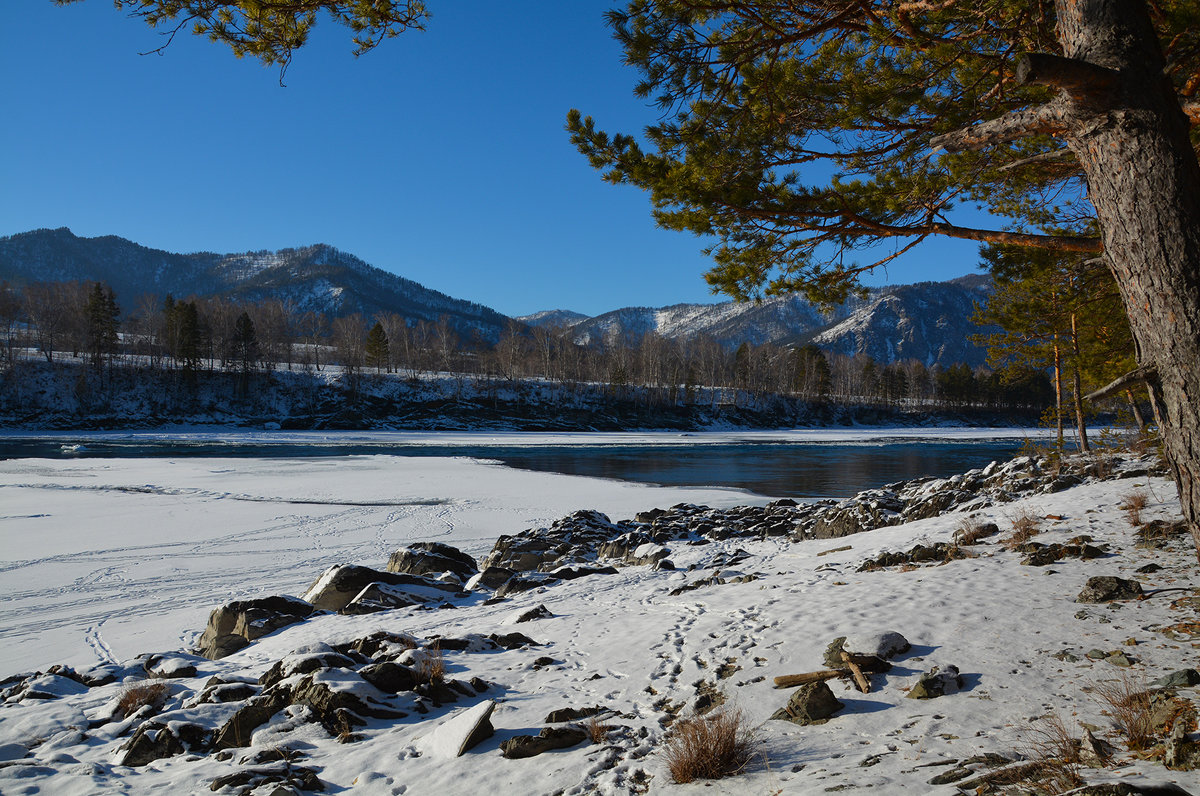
(1025, 525)
(969, 530)
(431, 667)
(136, 696)
(1127, 703)
(1133, 504)
(596, 729)
(709, 747)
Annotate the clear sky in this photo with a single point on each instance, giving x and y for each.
(439, 156)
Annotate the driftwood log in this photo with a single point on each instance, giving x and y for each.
(857, 669)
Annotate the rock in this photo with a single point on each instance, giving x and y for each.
(490, 577)
(340, 584)
(376, 597)
(520, 585)
(573, 573)
(288, 779)
(549, 738)
(169, 667)
(886, 645)
(304, 662)
(461, 732)
(512, 641)
(1105, 588)
(154, 741)
(238, 730)
(529, 615)
(428, 558)
(329, 692)
(571, 714)
(937, 682)
(809, 704)
(236, 624)
(1179, 753)
(388, 677)
(648, 553)
(1184, 678)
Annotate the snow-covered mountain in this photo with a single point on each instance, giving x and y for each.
(312, 278)
(928, 321)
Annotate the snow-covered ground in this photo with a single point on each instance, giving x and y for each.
(104, 559)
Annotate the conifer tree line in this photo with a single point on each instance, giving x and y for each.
(1080, 336)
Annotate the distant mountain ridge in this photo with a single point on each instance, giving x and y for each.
(317, 277)
(927, 321)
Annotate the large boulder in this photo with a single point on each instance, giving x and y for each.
(340, 584)
(236, 624)
(432, 558)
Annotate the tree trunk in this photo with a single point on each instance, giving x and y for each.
(1077, 388)
(1132, 142)
(1058, 402)
(1137, 411)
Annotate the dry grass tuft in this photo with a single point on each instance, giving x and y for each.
(969, 530)
(1133, 504)
(136, 696)
(1025, 526)
(1127, 703)
(1054, 756)
(596, 729)
(709, 747)
(431, 668)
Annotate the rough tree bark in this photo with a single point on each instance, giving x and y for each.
(1131, 138)
(1119, 114)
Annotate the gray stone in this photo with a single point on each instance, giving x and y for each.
(937, 682)
(340, 584)
(432, 558)
(236, 624)
(809, 704)
(530, 614)
(464, 731)
(1104, 588)
(1184, 678)
(154, 741)
(549, 738)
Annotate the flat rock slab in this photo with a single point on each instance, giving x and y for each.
(461, 732)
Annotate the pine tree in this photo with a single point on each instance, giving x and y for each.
(244, 344)
(800, 133)
(376, 349)
(102, 317)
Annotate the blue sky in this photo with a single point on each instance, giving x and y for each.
(440, 156)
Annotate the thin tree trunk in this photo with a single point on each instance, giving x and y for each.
(1058, 398)
(1132, 142)
(1137, 411)
(1077, 387)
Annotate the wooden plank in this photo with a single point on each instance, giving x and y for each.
(789, 680)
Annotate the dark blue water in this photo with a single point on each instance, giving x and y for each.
(778, 469)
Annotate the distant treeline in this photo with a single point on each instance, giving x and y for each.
(192, 339)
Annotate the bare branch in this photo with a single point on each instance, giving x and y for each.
(1049, 118)
(1147, 373)
(1045, 157)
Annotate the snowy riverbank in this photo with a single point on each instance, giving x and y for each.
(762, 606)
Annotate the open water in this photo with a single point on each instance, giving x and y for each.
(805, 469)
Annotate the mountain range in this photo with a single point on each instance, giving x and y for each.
(928, 321)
